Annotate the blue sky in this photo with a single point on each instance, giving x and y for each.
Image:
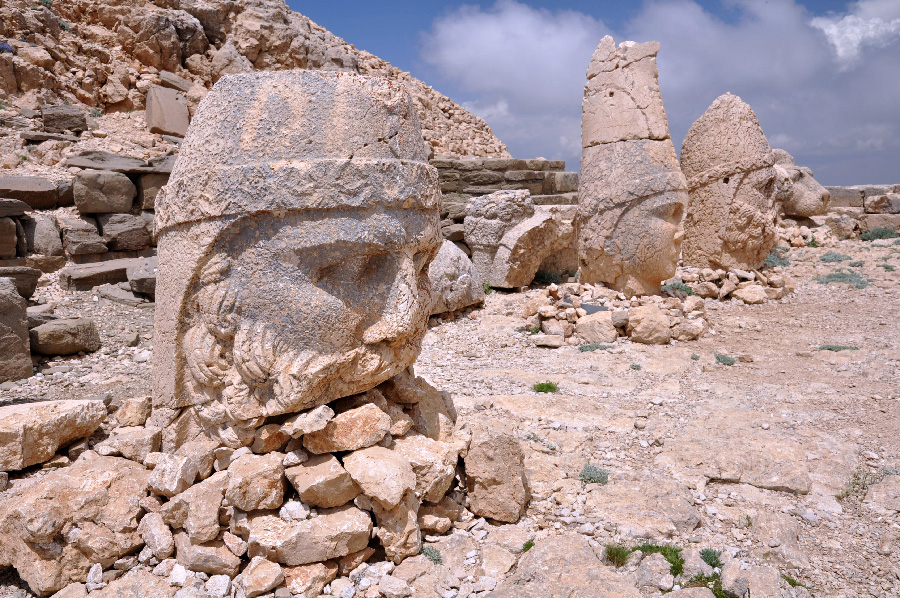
(823, 76)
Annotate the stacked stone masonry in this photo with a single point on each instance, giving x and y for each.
(862, 208)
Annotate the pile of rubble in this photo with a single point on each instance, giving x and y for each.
(750, 286)
(581, 314)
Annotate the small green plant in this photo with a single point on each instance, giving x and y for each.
(487, 288)
(593, 347)
(64, 26)
(532, 437)
(635, 366)
(713, 582)
(879, 233)
(838, 348)
(889, 471)
(813, 242)
(859, 483)
(725, 359)
(670, 553)
(591, 474)
(572, 274)
(791, 581)
(47, 3)
(887, 267)
(617, 555)
(846, 276)
(711, 557)
(832, 257)
(25, 157)
(527, 545)
(96, 113)
(858, 264)
(777, 257)
(545, 387)
(2, 106)
(433, 554)
(544, 277)
(695, 357)
(672, 289)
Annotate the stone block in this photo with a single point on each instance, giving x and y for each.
(58, 119)
(148, 187)
(12, 207)
(8, 239)
(167, 112)
(123, 232)
(80, 235)
(65, 337)
(41, 234)
(103, 192)
(142, 276)
(15, 352)
(25, 278)
(84, 277)
(39, 193)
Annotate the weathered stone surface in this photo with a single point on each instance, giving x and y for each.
(124, 232)
(167, 112)
(322, 482)
(15, 347)
(81, 235)
(148, 188)
(730, 221)
(100, 160)
(797, 193)
(752, 581)
(230, 310)
(32, 433)
(753, 294)
(564, 566)
(259, 577)
(510, 237)
(54, 530)
(12, 207)
(885, 494)
(8, 239)
(648, 324)
(172, 474)
(25, 278)
(495, 476)
(157, 536)
(308, 421)
(84, 277)
(132, 442)
(433, 462)
(197, 509)
(133, 412)
(383, 474)
(632, 195)
(142, 276)
(398, 528)
(351, 430)
(308, 581)
(212, 558)
(58, 119)
(597, 328)
(65, 337)
(137, 583)
(333, 533)
(455, 283)
(256, 482)
(888, 203)
(41, 234)
(36, 192)
(103, 192)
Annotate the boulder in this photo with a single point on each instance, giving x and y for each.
(308, 581)
(141, 276)
(753, 294)
(15, 347)
(322, 482)
(433, 462)
(510, 237)
(455, 283)
(632, 195)
(259, 577)
(495, 476)
(58, 119)
(167, 112)
(80, 235)
(137, 583)
(729, 166)
(883, 204)
(65, 337)
(84, 277)
(383, 474)
(212, 558)
(24, 278)
(55, 529)
(31, 433)
(351, 430)
(132, 442)
(41, 234)
(157, 536)
(398, 528)
(37, 192)
(648, 324)
(256, 482)
(103, 192)
(331, 534)
(8, 239)
(124, 232)
(12, 208)
(197, 509)
(172, 474)
(148, 187)
(597, 328)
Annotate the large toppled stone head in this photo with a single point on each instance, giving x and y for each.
(295, 236)
(729, 166)
(632, 194)
(798, 194)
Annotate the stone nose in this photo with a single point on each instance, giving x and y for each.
(403, 307)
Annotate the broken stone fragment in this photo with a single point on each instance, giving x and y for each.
(65, 337)
(135, 443)
(495, 476)
(648, 324)
(333, 533)
(322, 482)
(134, 412)
(256, 482)
(383, 474)
(157, 535)
(351, 430)
(308, 422)
(197, 509)
(259, 577)
(33, 432)
(308, 581)
(433, 462)
(172, 474)
(398, 528)
(212, 558)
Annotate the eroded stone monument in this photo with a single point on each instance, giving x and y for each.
(797, 193)
(632, 194)
(730, 221)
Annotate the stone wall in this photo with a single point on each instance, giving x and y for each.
(862, 208)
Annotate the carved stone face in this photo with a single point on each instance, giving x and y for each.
(798, 192)
(299, 309)
(751, 221)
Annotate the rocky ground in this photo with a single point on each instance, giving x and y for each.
(788, 459)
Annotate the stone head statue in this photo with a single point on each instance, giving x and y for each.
(798, 194)
(730, 221)
(295, 236)
(632, 194)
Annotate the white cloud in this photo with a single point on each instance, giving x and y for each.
(870, 22)
(523, 69)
